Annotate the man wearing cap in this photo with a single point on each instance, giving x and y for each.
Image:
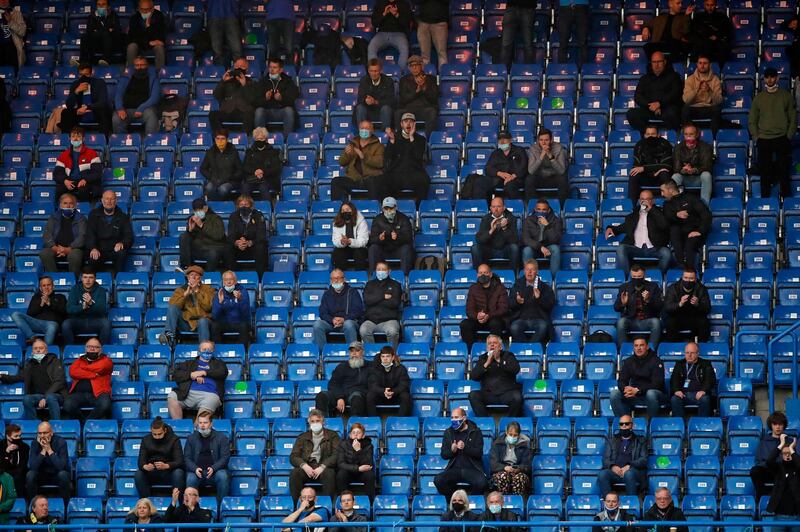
(376, 95)
(391, 237)
(419, 94)
(189, 308)
(405, 161)
(507, 168)
(347, 387)
(204, 239)
(773, 123)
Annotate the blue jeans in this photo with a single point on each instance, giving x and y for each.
(481, 254)
(515, 19)
(175, 323)
(780, 517)
(218, 192)
(225, 31)
(149, 118)
(622, 406)
(322, 328)
(221, 481)
(704, 180)
(385, 39)
(374, 113)
(285, 115)
(633, 479)
(629, 324)
(704, 407)
(627, 253)
(555, 257)
(540, 327)
(30, 403)
(33, 327)
(100, 327)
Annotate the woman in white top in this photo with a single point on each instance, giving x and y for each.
(350, 236)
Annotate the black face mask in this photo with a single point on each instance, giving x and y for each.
(140, 73)
(638, 283)
(92, 356)
(260, 144)
(245, 212)
(626, 433)
(483, 279)
(347, 216)
(688, 285)
(458, 507)
(84, 79)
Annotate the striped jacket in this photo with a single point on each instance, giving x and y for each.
(89, 166)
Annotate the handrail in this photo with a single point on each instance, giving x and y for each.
(789, 330)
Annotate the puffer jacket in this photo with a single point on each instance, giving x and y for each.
(492, 300)
(348, 459)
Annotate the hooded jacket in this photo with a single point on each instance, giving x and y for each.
(267, 159)
(622, 516)
(54, 370)
(531, 308)
(505, 516)
(141, 34)
(657, 227)
(701, 157)
(212, 234)
(346, 304)
(492, 300)
(378, 308)
(230, 310)
(304, 446)
(285, 85)
(220, 448)
(522, 450)
(503, 236)
(672, 514)
(653, 154)
(371, 164)
(787, 484)
(638, 452)
(97, 372)
(90, 167)
(473, 446)
(400, 225)
(500, 376)
(222, 166)
(153, 96)
(360, 233)
(645, 372)
(691, 90)
(167, 450)
(705, 375)
(182, 375)
(98, 310)
(652, 308)
(348, 459)
(666, 88)
(673, 297)
(56, 311)
(193, 307)
(396, 379)
(346, 381)
(53, 227)
(535, 236)
(516, 162)
(104, 234)
(15, 462)
(699, 216)
(255, 230)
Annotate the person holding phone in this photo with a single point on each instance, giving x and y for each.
(160, 459)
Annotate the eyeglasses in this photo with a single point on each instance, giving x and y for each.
(625, 424)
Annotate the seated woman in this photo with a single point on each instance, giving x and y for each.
(355, 461)
(459, 511)
(350, 237)
(510, 460)
(144, 513)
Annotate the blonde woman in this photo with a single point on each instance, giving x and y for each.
(144, 513)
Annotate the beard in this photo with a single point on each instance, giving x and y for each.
(356, 363)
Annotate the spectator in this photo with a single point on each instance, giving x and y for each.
(640, 382)
(189, 309)
(347, 513)
(498, 236)
(230, 311)
(137, 97)
(347, 387)
(87, 308)
(548, 161)
(160, 459)
(78, 170)
(518, 16)
(147, 32)
(356, 462)
(639, 304)
(363, 158)
(432, 20)
(690, 223)
(247, 236)
(487, 307)
(340, 310)
(702, 94)
(103, 37)
(392, 22)
(204, 239)
(541, 234)
(573, 15)
(768, 455)
(91, 384)
(612, 512)
(307, 510)
(530, 301)
(313, 457)
(87, 100)
(646, 231)
(652, 162)
(12, 45)
(8, 495)
(109, 234)
(496, 513)
(419, 95)
(665, 510)
(668, 33)
(711, 33)
(350, 237)
(391, 237)
(64, 236)
(692, 383)
(279, 94)
(44, 382)
(48, 462)
(785, 497)
(459, 511)
(223, 28)
(404, 161)
(497, 371)
(190, 511)
(388, 384)
(144, 513)
(624, 459)
(237, 95)
(772, 123)
(376, 96)
(207, 452)
(686, 307)
(383, 297)
(693, 161)
(510, 459)
(261, 168)
(14, 456)
(507, 169)
(46, 311)
(462, 447)
(658, 95)
(280, 29)
(40, 514)
(221, 167)
(200, 383)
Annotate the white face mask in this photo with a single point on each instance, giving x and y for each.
(204, 432)
(316, 428)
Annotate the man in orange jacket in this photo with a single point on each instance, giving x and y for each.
(91, 384)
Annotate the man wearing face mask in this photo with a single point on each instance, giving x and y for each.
(247, 236)
(686, 307)
(652, 162)
(108, 234)
(772, 123)
(693, 160)
(391, 237)
(690, 222)
(459, 511)
(78, 170)
(341, 309)
(640, 382)
(200, 383)
(103, 37)
(646, 231)
(189, 308)
(363, 159)
(541, 234)
(376, 96)
(230, 312)
(204, 239)
(404, 161)
(692, 383)
(497, 371)
(160, 459)
(498, 236)
(136, 98)
(462, 447)
(221, 167)
(147, 31)
(639, 305)
(507, 168)
(388, 384)
(612, 512)
(87, 100)
(207, 452)
(46, 312)
(383, 297)
(14, 454)
(624, 459)
(87, 307)
(236, 94)
(275, 96)
(45, 384)
(496, 513)
(261, 168)
(487, 307)
(91, 384)
(347, 387)
(64, 237)
(314, 457)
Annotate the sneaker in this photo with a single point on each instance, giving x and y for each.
(74, 62)
(102, 62)
(167, 339)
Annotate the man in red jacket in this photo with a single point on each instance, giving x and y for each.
(91, 384)
(79, 169)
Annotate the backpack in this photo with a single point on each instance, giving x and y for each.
(429, 262)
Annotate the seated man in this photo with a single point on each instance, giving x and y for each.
(200, 383)
(221, 167)
(261, 167)
(91, 384)
(497, 236)
(64, 236)
(346, 513)
(404, 162)
(392, 21)
(624, 460)
(46, 311)
(340, 309)
(363, 159)
(88, 99)
(693, 161)
(40, 514)
(639, 305)
(496, 513)
(686, 307)
(204, 239)
(247, 235)
(103, 36)
(391, 237)
(419, 95)
(78, 170)
(160, 459)
(313, 457)
(462, 447)
(665, 510)
(48, 463)
(236, 94)
(307, 510)
(207, 452)
(383, 298)
(690, 223)
(87, 307)
(108, 234)
(652, 162)
(388, 384)
(136, 98)
(702, 94)
(548, 163)
(376, 96)
(497, 371)
(692, 383)
(189, 309)
(147, 31)
(541, 234)
(669, 32)
(646, 233)
(44, 381)
(188, 512)
(657, 96)
(347, 387)
(276, 94)
(14, 455)
(612, 512)
(711, 33)
(530, 301)
(640, 382)
(230, 312)
(487, 306)
(507, 168)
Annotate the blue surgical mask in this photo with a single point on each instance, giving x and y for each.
(38, 357)
(230, 289)
(495, 508)
(364, 133)
(543, 214)
(102, 11)
(512, 440)
(76, 143)
(200, 214)
(274, 77)
(337, 286)
(146, 16)
(381, 275)
(67, 212)
(207, 355)
(456, 423)
(504, 146)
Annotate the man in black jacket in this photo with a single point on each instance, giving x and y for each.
(496, 513)
(690, 221)
(541, 234)
(236, 94)
(404, 161)
(497, 371)
(221, 167)
(388, 383)
(275, 96)
(45, 383)
(247, 235)
(376, 96)
(652, 162)
(664, 510)
(188, 512)
(108, 234)
(419, 95)
(103, 36)
(784, 501)
(640, 382)
(261, 167)
(506, 168)
(88, 98)
(147, 31)
(686, 307)
(200, 383)
(391, 237)
(658, 96)
(46, 311)
(624, 459)
(497, 236)
(530, 302)
(767, 454)
(14, 454)
(160, 459)
(462, 447)
(692, 383)
(348, 386)
(646, 235)
(639, 305)
(383, 297)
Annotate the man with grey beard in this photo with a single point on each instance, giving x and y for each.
(347, 387)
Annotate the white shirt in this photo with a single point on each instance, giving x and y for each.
(641, 235)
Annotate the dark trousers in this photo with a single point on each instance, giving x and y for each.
(712, 113)
(393, 183)
(447, 481)
(145, 479)
(517, 19)
(102, 43)
(470, 327)
(341, 258)
(34, 480)
(261, 189)
(216, 257)
(576, 16)
(8, 55)
(75, 401)
(241, 329)
(90, 192)
(640, 117)
(117, 259)
(241, 259)
(478, 399)
(774, 163)
(686, 249)
(327, 403)
(298, 479)
(342, 187)
(760, 476)
(681, 321)
(405, 253)
(645, 179)
(535, 182)
(247, 118)
(344, 478)
(402, 399)
(280, 33)
(70, 119)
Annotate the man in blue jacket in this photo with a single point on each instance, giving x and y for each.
(87, 100)
(87, 307)
(137, 98)
(230, 311)
(206, 454)
(340, 310)
(48, 462)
